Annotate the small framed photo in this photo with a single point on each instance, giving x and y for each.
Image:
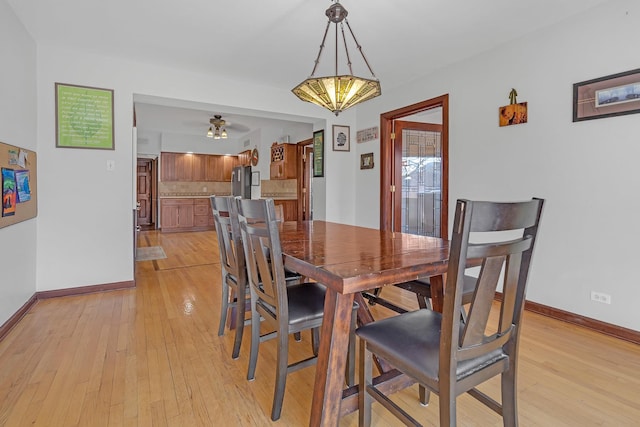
(608, 96)
(341, 138)
(255, 179)
(366, 161)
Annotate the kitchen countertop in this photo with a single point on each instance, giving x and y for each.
(279, 196)
(189, 195)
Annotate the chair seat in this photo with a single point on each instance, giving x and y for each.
(400, 338)
(306, 303)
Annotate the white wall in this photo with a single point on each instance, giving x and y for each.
(17, 127)
(85, 226)
(587, 171)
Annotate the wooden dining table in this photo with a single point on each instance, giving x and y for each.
(348, 260)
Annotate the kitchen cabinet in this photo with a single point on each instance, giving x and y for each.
(230, 162)
(202, 213)
(284, 163)
(244, 158)
(176, 167)
(180, 167)
(215, 168)
(176, 214)
(289, 209)
(199, 169)
(188, 214)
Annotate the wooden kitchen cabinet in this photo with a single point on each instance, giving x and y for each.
(230, 162)
(176, 214)
(176, 167)
(200, 167)
(182, 167)
(186, 215)
(289, 209)
(202, 214)
(215, 168)
(284, 163)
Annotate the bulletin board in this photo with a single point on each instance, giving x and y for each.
(19, 183)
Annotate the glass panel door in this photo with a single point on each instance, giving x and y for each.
(420, 178)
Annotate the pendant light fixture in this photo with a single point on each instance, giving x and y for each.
(338, 92)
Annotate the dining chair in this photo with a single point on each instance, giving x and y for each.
(285, 309)
(232, 265)
(235, 290)
(440, 351)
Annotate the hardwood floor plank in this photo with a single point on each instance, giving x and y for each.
(151, 355)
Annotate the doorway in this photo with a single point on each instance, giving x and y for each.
(305, 199)
(414, 183)
(146, 189)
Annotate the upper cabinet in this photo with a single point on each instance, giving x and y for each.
(284, 161)
(244, 158)
(196, 167)
(176, 167)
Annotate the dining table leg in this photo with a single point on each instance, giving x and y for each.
(437, 292)
(332, 359)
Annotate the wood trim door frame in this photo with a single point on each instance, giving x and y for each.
(387, 167)
(304, 182)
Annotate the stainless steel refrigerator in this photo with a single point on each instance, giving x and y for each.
(241, 181)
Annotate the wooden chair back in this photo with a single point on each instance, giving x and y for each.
(263, 253)
(225, 216)
(501, 237)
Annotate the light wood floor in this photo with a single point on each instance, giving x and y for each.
(151, 356)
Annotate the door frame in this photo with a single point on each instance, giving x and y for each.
(304, 183)
(387, 166)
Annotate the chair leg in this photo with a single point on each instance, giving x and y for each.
(315, 340)
(365, 376)
(255, 342)
(281, 375)
(447, 399)
(509, 399)
(224, 306)
(241, 307)
(424, 395)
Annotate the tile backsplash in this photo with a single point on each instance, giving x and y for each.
(279, 188)
(206, 188)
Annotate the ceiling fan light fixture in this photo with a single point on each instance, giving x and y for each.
(217, 123)
(339, 92)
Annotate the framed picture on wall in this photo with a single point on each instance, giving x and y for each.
(341, 138)
(608, 96)
(366, 161)
(84, 117)
(318, 153)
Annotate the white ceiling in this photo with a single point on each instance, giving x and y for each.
(402, 39)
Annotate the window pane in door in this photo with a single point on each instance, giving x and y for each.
(421, 182)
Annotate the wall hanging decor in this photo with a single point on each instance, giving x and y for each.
(19, 183)
(341, 138)
(84, 117)
(608, 96)
(318, 153)
(366, 161)
(513, 114)
(368, 134)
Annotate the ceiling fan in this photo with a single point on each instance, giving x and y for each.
(214, 130)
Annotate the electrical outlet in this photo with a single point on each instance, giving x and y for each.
(600, 297)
